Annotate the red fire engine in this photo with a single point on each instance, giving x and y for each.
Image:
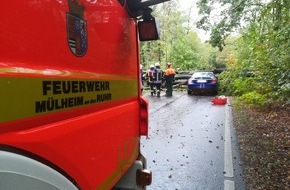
(71, 111)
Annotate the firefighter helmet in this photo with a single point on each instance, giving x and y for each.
(151, 66)
(157, 64)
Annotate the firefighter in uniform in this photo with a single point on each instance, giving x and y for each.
(158, 74)
(169, 77)
(151, 79)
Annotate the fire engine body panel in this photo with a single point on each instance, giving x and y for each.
(69, 83)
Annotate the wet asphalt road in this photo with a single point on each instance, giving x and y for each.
(191, 145)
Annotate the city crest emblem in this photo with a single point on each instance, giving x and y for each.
(76, 28)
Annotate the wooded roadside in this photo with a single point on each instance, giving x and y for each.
(264, 143)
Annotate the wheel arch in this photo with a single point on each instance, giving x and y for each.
(19, 171)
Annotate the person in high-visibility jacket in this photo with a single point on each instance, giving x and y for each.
(169, 77)
(158, 76)
(151, 79)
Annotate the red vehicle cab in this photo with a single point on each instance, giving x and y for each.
(71, 111)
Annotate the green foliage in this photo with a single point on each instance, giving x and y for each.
(257, 60)
(264, 51)
(254, 99)
(231, 11)
(225, 83)
(187, 53)
(178, 43)
(243, 86)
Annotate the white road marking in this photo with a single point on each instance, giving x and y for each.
(229, 185)
(228, 157)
